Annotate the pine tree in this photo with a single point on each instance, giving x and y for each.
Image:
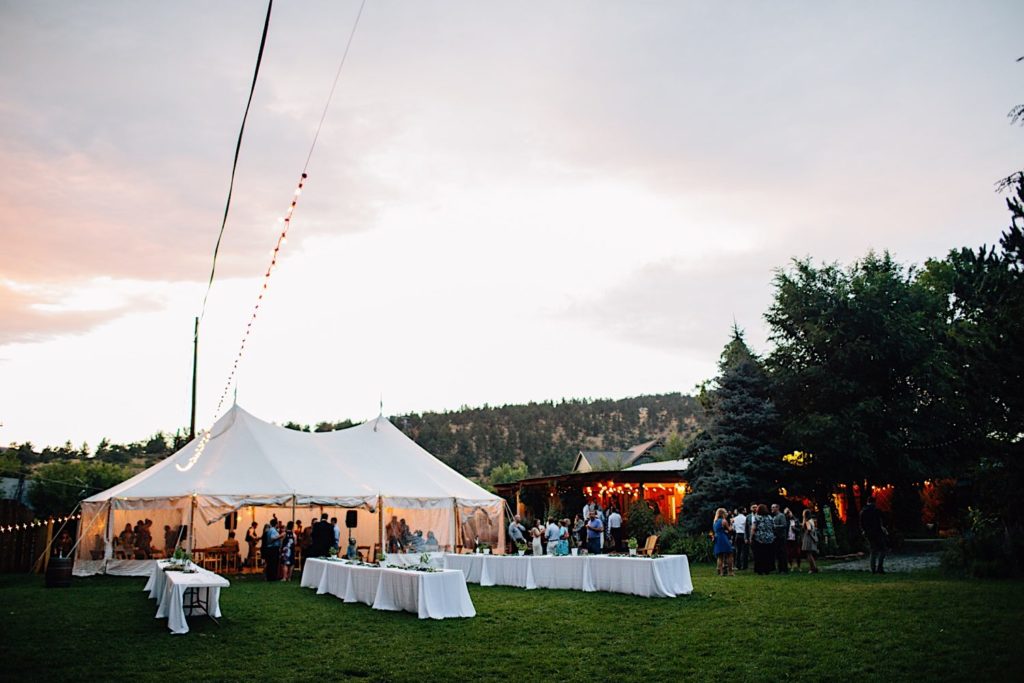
(736, 459)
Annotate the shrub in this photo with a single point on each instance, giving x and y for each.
(673, 540)
(985, 550)
(640, 521)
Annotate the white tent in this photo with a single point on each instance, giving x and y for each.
(251, 470)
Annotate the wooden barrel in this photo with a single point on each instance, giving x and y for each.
(58, 572)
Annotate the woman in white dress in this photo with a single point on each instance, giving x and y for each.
(536, 532)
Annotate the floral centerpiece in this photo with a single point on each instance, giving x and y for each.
(632, 545)
(181, 560)
(332, 553)
(521, 547)
(425, 559)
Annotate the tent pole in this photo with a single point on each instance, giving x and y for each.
(192, 525)
(453, 525)
(380, 524)
(109, 534)
(293, 509)
(195, 368)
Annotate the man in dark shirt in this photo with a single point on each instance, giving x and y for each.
(874, 530)
(781, 526)
(323, 537)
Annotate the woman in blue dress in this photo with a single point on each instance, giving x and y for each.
(563, 538)
(723, 546)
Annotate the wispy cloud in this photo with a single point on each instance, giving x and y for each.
(41, 312)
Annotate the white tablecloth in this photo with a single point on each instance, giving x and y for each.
(470, 565)
(168, 588)
(429, 595)
(569, 573)
(664, 577)
(506, 570)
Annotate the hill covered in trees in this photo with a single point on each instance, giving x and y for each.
(543, 438)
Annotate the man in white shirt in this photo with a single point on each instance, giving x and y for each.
(553, 532)
(739, 526)
(615, 528)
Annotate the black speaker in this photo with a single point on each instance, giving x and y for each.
(231, 521)
(351, 519)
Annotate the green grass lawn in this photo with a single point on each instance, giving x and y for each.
(834, 625)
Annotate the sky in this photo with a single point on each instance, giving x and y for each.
(507, 202)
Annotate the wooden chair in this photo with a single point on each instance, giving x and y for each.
(364, 552)
(649, 546)
(211, 560)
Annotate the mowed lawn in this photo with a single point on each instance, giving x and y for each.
(831, 626)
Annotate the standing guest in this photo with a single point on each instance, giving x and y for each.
(792, 542)
(723, 548)
(305, 540)
(595, 529)
(780, 525)
(553, 533)
(252, 538)
(763, 535)
(809, 542)
(322, 537)
(537, 532)
(739, 526)
(287, 555)
(335, 533)
(516, 533)
(871, 525)
(170, 540)
(394, 533)
(579, 532)
(404, 535)
(563, 539)
(299, 550)
(271, 551)
(750, 530)
(615, 527)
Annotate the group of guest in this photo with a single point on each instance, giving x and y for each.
(136, 542)
(587, 533)
(774, 536)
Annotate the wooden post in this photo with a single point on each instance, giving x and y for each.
(195, 370)
(380, 524)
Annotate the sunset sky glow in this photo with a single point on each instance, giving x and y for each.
(508, 201)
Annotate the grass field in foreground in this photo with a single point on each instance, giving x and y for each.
(834, 625)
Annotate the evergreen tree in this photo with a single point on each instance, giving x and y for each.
(736, 458)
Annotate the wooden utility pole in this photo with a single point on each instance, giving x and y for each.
(195, 366)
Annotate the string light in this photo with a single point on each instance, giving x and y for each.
(35, 523)
(282, 239)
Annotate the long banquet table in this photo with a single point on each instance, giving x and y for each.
(429, 595)
(662, 577)
(169, 589)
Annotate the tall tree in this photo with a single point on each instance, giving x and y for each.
(858, 371)
(737, 458)
(985, 293)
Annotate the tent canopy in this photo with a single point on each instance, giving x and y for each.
(248, 461)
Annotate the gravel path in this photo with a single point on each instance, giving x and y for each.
(893, 563)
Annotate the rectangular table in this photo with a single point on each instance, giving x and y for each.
(178, 594)
(429, 595)
(663, 577)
